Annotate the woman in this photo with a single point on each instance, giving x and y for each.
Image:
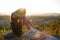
(18, 22)
(16, 25)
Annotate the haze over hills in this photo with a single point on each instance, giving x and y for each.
(37, 18)
(44, 17)
(34, 14)
(4, 13)
(45, 14)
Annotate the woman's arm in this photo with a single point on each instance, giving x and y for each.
(27, 23)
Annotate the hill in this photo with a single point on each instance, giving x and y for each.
(51, 24)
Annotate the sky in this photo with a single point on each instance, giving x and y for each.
(32, 6)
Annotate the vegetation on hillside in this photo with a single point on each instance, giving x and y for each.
(47, 25)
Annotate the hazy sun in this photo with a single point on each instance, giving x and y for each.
(32, 6)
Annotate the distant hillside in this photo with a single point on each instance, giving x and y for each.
(43, 17)
(5, 22)
(40, 19)
(4, 19)
(51, 24)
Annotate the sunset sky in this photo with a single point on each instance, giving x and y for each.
(32, 6)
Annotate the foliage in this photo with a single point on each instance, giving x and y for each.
(48, 26)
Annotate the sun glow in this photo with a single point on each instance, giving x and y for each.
(32, 6)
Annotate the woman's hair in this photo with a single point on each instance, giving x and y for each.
(16, 27)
